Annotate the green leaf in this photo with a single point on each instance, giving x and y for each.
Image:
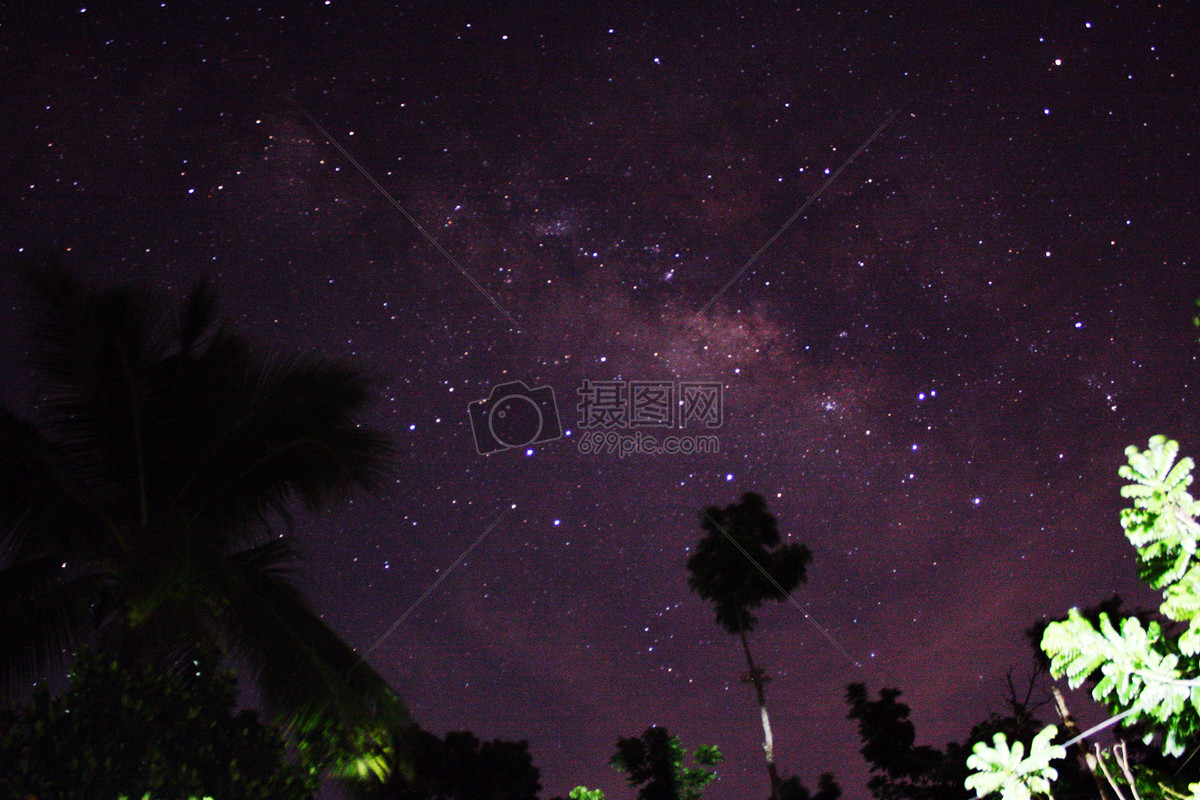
(999, 768)
(1162, 523)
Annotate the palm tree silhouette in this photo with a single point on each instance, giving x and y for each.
(737, 564)
(145, 509)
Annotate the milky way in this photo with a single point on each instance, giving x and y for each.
(930, 374)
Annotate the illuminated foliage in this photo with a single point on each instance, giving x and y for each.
(1145, 674)
(999, 768)
(584, 793)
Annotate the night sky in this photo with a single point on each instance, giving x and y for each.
(930, 374)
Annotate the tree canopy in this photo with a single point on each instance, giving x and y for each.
(740, 562)
(461, 767)
(901, 769)
(146, 505)
(121, 731)
(1146, 674)
(654, 763)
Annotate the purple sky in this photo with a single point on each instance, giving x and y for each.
(930, 374)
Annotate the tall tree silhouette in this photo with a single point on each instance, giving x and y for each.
(738, 564)
(146, 507)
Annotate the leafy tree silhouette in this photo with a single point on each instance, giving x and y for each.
(146, 509)
(737, 564)
(654, 762)
(903, 770)
(119, 732)
(461, 767)
(900, 769)
(827, 789)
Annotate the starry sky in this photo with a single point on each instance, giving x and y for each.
(940, 261)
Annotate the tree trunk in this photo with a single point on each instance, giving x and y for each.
(758, 678)
(1089, 760)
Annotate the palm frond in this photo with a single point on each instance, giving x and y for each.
(162, 444)
(197, 315)
(304, 671)
(40, 506)
(290, 429)
(89, 348)
(44, 614)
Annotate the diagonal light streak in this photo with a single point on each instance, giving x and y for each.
(785, 594)
(407, 216)
(430, 590)
(796, 216)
